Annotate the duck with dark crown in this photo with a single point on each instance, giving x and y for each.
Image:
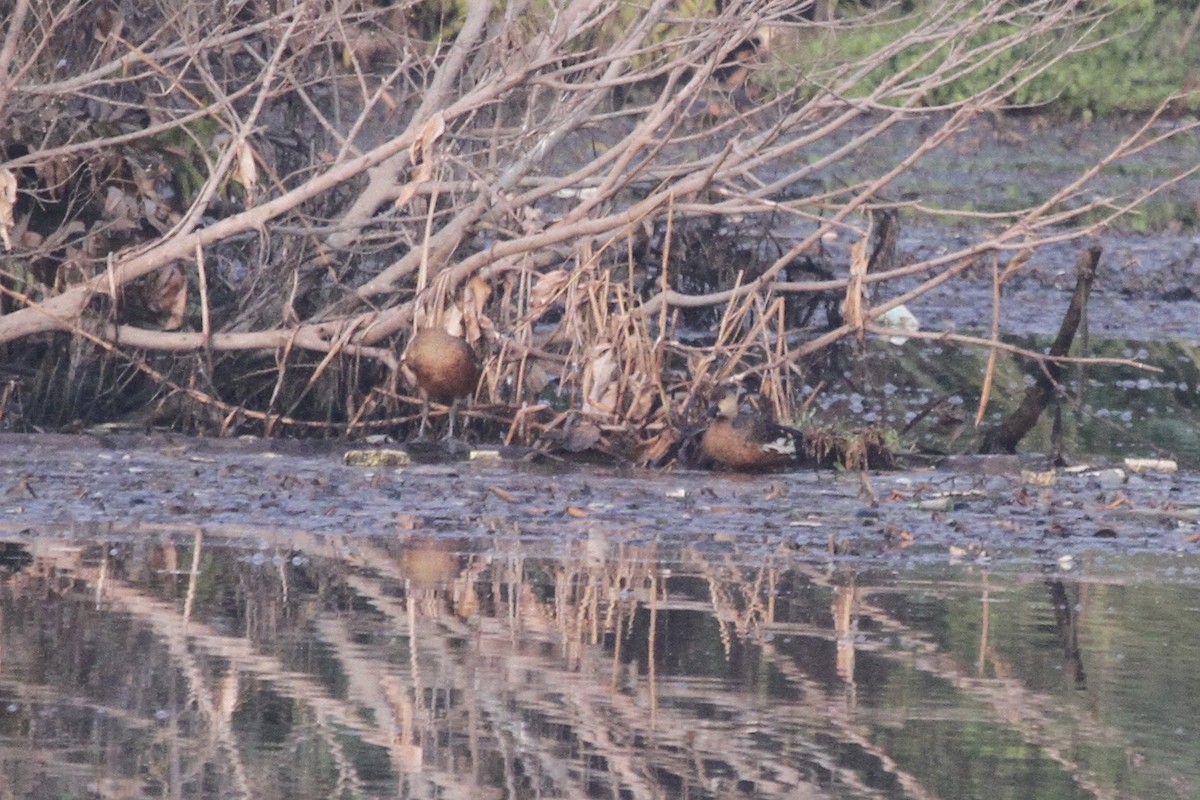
(746, 438)
(444, 369)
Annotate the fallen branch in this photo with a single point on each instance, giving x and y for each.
(1004, 437)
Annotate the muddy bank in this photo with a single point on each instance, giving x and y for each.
(956, 194)
(1001, 509)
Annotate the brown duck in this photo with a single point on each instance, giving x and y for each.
(747, 439)
(444, 369)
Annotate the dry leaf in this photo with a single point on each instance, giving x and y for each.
(503, 494)
(167, 296)
(70, 272)
(123, 209)
(247, 170)
(420, 153)
(475, 297)
(532, 220)
(430, 133)
(452, 321)
(547, 290)
(599, 380)
(652, 451)
(578, 513)
(406, 194)
(852, 306)
(8, 199)
(643, 397)
(116, 203)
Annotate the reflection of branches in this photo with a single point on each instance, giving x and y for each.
(1067, 626)
(497, 668)
(1035, 716)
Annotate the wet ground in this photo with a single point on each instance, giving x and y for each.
(224, 619)
(1145, 287)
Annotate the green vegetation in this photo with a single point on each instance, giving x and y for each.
(1139, 53)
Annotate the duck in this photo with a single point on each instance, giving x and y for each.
(444, 369)
(744, 438)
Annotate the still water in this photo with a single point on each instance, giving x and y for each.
(517, 634)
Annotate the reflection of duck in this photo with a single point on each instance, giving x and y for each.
(443, 367)
(746, 438)
(429, 563)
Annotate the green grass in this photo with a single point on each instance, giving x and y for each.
(1143, 53)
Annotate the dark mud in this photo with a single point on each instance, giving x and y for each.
(1145, 287)
(1000, 509)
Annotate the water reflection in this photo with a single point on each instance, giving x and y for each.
(247, 664)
